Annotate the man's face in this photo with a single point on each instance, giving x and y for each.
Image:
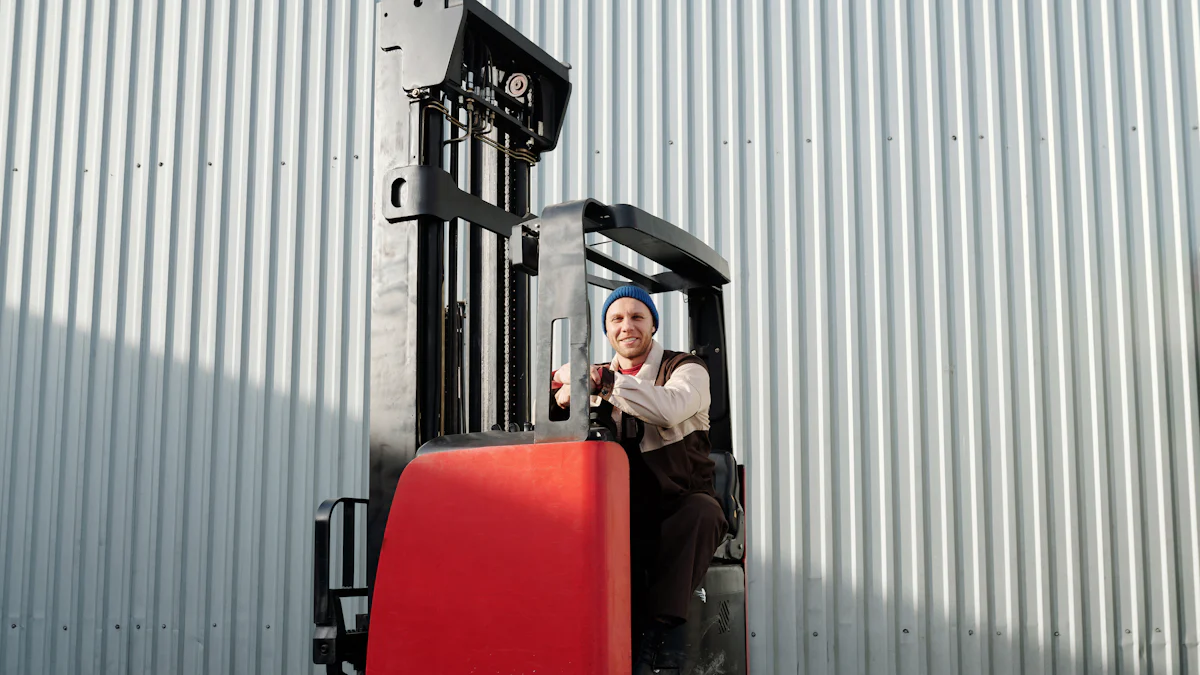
(630, 327)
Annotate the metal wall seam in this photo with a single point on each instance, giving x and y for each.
(1187, 55)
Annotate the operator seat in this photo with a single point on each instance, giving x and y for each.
(725, 481)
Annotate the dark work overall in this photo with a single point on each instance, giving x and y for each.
(676, 522)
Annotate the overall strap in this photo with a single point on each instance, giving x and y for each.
(672, 360)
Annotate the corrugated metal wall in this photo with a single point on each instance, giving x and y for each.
(964, 237)
(182, 344)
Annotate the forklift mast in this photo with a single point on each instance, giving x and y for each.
(464, 107)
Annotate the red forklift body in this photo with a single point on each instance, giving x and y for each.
(510, 559)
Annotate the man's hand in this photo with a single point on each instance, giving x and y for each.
(562, 376)
(562, 396)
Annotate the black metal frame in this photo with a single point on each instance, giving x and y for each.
(332, 642)
(692, 264)
(442, 42)
(693, 267)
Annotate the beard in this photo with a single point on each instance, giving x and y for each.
(633, 350)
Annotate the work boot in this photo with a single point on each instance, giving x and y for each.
(672, 651)
(651, 640)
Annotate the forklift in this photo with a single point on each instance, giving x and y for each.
(497, 531)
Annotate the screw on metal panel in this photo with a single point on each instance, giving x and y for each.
(889, 138)
(356, 157)
(970, 632)
(1134, 128)
(981, 137)
(64, 627)
(214, 625)
(1157, 630)
(160, 163)
(268, 626)
(164, 626)
(722, 143)
(139, 165)
(118, 626)
(417, 3)
(747, 141)
(139, 626)
(282, 163)
(210, 163)
(717, 350)
(808, 140)
(997, 632)
(753, 634)
(954, 138)
(14, 625)
(906, 630)
(1127, 631)
(1056, 633)
(668, 143)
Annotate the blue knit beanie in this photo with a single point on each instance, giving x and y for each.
(634, 292)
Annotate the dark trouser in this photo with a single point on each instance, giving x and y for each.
(672, 545)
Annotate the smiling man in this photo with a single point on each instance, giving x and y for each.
(656, 403)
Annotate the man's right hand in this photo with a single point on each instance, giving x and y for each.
(563, 374)
(562, 396)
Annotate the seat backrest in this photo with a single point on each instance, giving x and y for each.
(725, 480)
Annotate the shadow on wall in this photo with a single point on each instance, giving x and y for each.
(158, 518)
(157, 507)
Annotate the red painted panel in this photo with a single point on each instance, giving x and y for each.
(506, 560)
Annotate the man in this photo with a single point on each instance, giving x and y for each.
(656, 403)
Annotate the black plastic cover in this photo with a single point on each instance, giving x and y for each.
(713, 640)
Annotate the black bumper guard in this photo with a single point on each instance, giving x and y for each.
(333, 644)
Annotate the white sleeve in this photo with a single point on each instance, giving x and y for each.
(684, 395)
